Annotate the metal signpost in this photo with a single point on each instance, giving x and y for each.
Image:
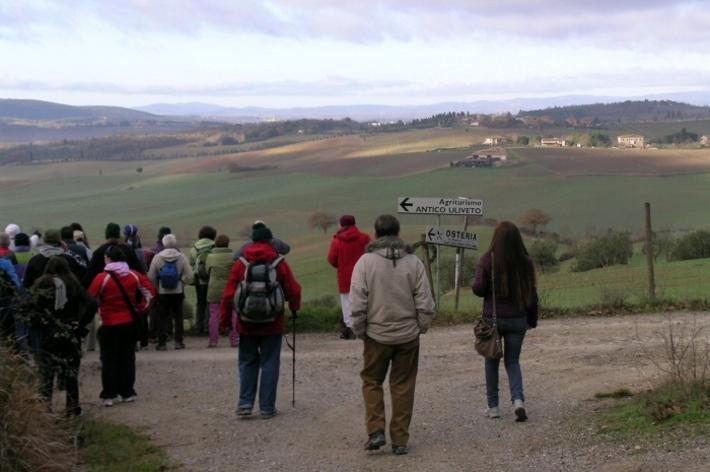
(436, 235)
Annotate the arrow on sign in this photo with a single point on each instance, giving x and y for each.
(405, 204)
(432, 233)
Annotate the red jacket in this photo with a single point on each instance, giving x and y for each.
(112, 307)
(347, 247)
(260, 251)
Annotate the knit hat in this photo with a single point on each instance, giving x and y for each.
(261, 233)
(113, 231)
(12, 229)
(347, 220)
(21, 239)
(52, 237)
(163, 231)
(130, 230)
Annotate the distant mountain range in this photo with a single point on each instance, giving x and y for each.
(387, 113)
(37, 110)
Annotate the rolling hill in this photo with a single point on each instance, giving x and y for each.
(37, 110)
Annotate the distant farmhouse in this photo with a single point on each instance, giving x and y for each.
(553, 142)
(631, 140)
(485, 158)
(704, 140)
(493, 141)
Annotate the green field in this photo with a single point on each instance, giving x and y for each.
(95, 193)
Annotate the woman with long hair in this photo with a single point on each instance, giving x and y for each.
(516, 306)
(61, 310)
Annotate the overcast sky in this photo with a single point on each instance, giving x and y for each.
(317, 52)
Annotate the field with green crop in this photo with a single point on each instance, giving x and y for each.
(168, 192)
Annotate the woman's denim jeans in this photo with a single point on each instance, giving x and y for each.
(259, 353)
(512, 332)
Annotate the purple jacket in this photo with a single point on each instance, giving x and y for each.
(505, 308)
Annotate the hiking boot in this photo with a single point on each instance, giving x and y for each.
(400, 450)
(375, 441)
(179, 345)
(267, 415)
(493, 412)
(519, 408)
(129, 399)
(243, 412)
(108, 402)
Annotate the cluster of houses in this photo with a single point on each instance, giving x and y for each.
(625, 141)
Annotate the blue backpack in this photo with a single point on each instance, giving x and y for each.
(169, 276)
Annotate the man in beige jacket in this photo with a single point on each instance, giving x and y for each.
(391, 302)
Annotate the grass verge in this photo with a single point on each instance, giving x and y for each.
(664, 409)
(111, 447)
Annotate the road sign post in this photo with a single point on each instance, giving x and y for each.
(439, 236)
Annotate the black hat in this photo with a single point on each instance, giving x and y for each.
(261, 233)
(113, 231)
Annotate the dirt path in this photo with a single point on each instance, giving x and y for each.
(187, 402)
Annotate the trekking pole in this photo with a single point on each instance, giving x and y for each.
(293, 362)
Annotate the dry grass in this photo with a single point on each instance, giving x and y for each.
(31, 438)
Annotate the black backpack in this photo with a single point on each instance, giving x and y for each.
(259, 297)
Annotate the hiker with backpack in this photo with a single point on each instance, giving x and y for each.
(348, 245)
(513, 306)
(392, 305)
(198, 261)
(170, 271)
(259, 284)
(124, 295)
(153, 320)
(219, 264)
(61, 310)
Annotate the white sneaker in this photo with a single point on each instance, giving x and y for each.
(108, 402)
(493, 412)
(519, 408)
(130, 399)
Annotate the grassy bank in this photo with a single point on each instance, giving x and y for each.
(111, 447)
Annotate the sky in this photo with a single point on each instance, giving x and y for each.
(287, 53)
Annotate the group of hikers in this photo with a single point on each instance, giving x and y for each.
(53, 287)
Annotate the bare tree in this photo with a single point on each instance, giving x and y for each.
(322, 220)
(535, 217)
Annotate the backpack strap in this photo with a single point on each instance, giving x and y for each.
(276, 261)
(246, 265)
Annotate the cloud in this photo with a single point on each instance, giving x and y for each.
(607, 21)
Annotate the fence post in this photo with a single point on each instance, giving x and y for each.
(649, 253)
(459, 267)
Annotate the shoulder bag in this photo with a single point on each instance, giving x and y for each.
(487, 341)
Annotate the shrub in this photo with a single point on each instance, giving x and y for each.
(611, 249)
(613, 297)
(448, 270)
(31, 438)
(565, 256)
(543, 253)
(695, 245)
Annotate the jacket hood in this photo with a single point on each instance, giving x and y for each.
(221, 250)
(390, 247)
(170, 254)
(204, 243)
(260, 251)
(50, 251)
(347, 234)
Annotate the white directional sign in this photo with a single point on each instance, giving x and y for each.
(439, 206)
(451, 237)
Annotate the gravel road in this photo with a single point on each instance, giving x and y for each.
(187, 401)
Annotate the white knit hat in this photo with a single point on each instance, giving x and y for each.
(12, 229)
